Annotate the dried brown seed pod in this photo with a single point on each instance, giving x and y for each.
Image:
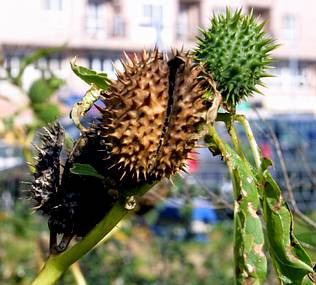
(151, 114)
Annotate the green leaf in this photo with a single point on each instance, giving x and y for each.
(266, 163)
(250, 260)
(89, 76)
(290, 260)
(85, 169)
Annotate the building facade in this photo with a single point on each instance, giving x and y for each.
(98, 31)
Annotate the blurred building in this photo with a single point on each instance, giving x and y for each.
(97, 31)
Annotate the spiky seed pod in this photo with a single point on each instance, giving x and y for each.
(236, 51)
(187, 112)
(147, 129)
(46, 176)
(151, 113)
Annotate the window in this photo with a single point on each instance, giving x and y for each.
(103, 63)
(53, 5)
(95, 25)
(152, 15)
(292, 73)
(118, 29)
(289, 27)
(109, 69)
(55, 63)
(187, 21)
(107, 66)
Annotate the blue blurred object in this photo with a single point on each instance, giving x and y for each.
(72, 99)
(206, 215)
(175, 222)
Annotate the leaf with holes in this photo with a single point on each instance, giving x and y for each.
(290, 260)
(250, 260)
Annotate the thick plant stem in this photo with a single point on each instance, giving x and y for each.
(229, 119)
(56, 265)
(222, 148)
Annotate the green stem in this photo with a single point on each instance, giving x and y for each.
(221, 145)
(222, 148)
(229, 119)
(56, 265)
(252, 141)
(234, 137)
(254, 149)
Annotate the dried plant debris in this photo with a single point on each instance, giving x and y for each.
(147, 127)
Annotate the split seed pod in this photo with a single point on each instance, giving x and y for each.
(151, 114)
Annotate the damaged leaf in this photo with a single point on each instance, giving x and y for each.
(250, 260)
(290, 260)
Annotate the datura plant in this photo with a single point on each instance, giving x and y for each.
(150, 118)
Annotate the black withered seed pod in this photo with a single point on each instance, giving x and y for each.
(47, 168)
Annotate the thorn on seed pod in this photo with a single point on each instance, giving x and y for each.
(130, 203)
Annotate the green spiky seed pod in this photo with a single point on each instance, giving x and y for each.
(236, 51)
